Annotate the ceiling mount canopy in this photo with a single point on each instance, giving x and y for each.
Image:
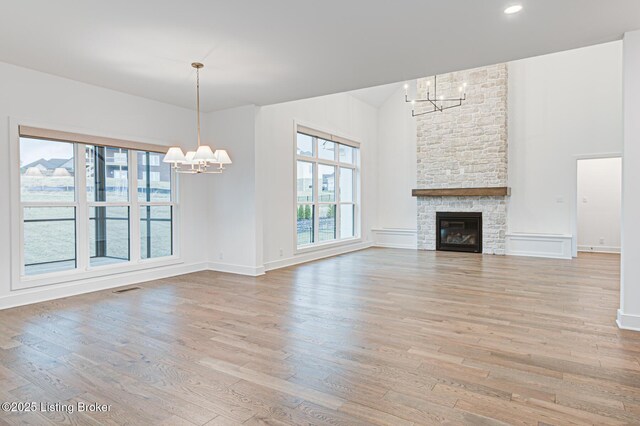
(203, 158)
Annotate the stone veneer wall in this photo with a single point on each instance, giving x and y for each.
(465, 147)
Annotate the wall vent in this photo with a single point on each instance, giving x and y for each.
(125, 290)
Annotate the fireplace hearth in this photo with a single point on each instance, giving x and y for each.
(457, 231)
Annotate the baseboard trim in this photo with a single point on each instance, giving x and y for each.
(599, 249)
(43, 294)
(236, 269)
(395, 238)
(554, 246)
(628, 322)
(396, 246)
(315, 255)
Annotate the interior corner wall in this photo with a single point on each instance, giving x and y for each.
(340, 114)
(397, 160)
(629, 313)
(562, 107)
(63, 103)
(234, 207)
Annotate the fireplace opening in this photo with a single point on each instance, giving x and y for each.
(456, 231)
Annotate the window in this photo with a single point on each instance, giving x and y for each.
(49, 239)
(101, 216)
(107, 174)
(48, 204)
(326, 188)
(154, 196)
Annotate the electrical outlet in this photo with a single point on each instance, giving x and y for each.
(584, 200)
(220, 256)
(601, 241)
(281, 252)
(559, 200)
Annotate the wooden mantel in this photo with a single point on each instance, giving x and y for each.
(499, 191)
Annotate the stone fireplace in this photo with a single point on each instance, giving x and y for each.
(462, 157)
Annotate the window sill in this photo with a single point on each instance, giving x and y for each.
(52, 278)
(323, 246)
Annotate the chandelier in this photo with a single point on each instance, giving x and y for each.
(438, 102)
(203, 159)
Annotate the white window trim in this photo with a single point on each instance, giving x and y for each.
(357, 189)
(83, 270)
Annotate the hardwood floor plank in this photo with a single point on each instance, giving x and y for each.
(380, 336)
(276, 384)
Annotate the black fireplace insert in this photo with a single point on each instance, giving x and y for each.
(457, 231)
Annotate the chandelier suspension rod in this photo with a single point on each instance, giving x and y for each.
(198, 99)
(435, 97)
(435, 93)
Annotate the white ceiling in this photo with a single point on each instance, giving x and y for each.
(269, 51)
(377, 95)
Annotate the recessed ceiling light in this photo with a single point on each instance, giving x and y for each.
(513, 9)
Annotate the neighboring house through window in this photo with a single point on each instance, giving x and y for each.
(79, 203)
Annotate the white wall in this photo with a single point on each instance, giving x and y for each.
(629, 313)
(58, 102)
(599, 204)
(251, 206)
(397, 209)
(340, 114)
(234, 209)
(561, 106)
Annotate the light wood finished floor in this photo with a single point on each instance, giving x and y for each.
(379, 336)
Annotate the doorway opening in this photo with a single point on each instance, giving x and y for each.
(599, 204)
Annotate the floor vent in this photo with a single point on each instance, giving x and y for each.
(124, 290)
